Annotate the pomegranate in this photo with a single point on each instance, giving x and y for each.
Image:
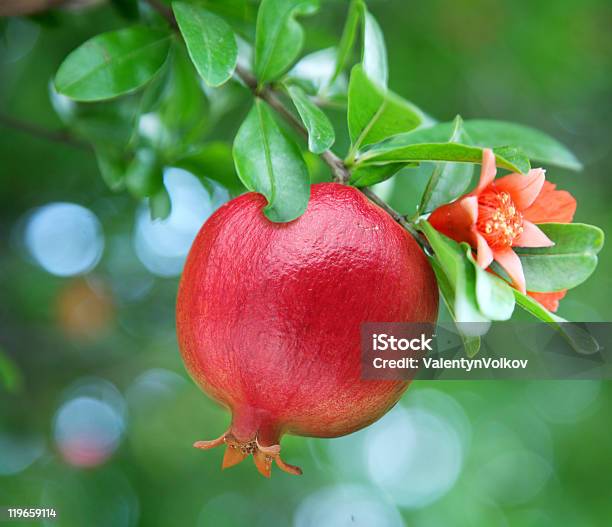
(269, 315)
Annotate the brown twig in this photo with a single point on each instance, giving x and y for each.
(27, 7)
(165, 11)
(57, 136)
(340, 172)
(396, 216)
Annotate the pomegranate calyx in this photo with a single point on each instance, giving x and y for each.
(237, 451)
(206, 445)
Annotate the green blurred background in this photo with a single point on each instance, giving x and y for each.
(97, 415)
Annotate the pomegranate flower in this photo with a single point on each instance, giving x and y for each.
(501, 214)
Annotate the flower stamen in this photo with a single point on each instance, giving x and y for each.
(498, 219)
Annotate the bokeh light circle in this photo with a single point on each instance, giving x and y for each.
(444, 406)
(162, 245)
(65, 239)
(234, 510)
(19, 36)
(317, 67)
(89, 424)
(514, 477)
(18, 453)
(347, 506)
(87, 431)
(153, 386)
(415, 456)
(564, 401)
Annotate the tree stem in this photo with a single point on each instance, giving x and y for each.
(340, 172)
(57, 136)
(165, 11)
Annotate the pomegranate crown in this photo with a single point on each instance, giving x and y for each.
(237, 451)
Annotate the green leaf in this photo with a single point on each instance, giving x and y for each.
(536, 145)
(160, 205)
(321, 134)
(471, 343)
(144, 175)
(514, 156)
(279, 37)
(374, 55)
(105, 128)
(185, 108)
(577, 337)
(375, 114)
(112, 64)
(182, 115)
(493, 296)
(153, 93)
(401, 148)
(347, 40)
(448, 180)
(107, 123)
(270, 163)
(535, 308)
(533, 144)
(240, 13)
(213, 161)
(210, 42)
(459, 272)
(568, 263)
(370, 175)
(112, 166)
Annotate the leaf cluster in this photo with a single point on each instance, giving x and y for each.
(148, 96)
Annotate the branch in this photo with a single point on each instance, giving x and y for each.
(57, 136)
(394, 214)
(165, 11)
(27, 7)
(340, 172)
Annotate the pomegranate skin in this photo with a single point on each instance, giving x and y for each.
(269, 315)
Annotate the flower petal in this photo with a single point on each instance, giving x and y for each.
(469, 205)
(487, 171)
(522, 189)
(551, 205)
(549, 300)
(511, 263)
(457, 219)
(484, 254)
(532, 236)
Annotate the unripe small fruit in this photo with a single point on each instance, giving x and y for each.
(269, 316)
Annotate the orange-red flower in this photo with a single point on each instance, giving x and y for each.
(501, 214)
(549, 300)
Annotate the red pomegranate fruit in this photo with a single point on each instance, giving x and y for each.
(269, 315)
